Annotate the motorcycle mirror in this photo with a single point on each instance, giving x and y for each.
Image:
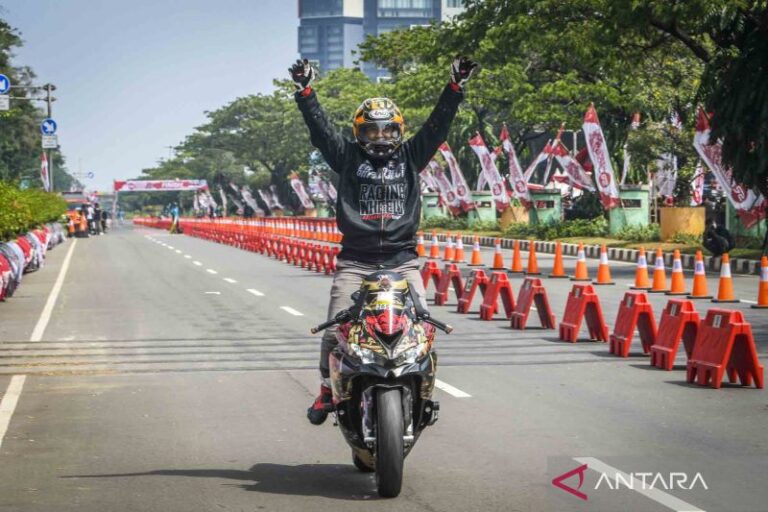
(355, 295)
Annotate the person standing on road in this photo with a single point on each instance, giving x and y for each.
(379, 204)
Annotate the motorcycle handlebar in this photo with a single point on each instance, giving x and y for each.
(447, 329)
(345, 315)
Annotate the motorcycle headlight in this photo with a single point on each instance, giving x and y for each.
(365, 355)
(411, 355)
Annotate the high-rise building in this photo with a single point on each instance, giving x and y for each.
(331, 30)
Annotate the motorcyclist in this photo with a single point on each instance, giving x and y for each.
(378, 205)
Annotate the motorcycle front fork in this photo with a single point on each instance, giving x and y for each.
(368, 407)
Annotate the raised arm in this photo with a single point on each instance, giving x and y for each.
(422, 146)
(322, 133)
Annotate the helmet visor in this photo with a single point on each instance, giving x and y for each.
(380, 132)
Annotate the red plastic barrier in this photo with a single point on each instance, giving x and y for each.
(583, 302)
(724, 343)
(634, 312)
(476, 279)
(432, 272)
(532, 292)
(451, 276)
(498, 286)
(679, 320)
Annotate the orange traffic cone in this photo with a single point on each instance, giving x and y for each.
(533, 264)
(581, 273)
(558, 269)
(603, 270)
(641, 274)
(449, 250)
(477, 257)
(517, 261)
(434, 249)
(420, 250)
(498, 259)
(725, 288)
(699, 279)
(659, 274)
(762, 291)
(458, 255)
(678, 278)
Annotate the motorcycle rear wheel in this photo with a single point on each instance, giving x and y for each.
(389, 443)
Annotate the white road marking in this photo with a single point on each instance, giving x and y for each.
(188, 256)
(170, 247)
(451, 390)
(749, 301)
(178, 251)
(255, 292)
(211, 271)
(197, 263)
(213, 293)
(45, 316)
(656, 495)
(291, 311)
(534, 308)
(8, 403)
(230, 280)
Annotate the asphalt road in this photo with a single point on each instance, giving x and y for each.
(173, 374)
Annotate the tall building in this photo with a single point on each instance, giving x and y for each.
(331, 30)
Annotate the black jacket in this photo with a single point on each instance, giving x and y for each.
(379, 201)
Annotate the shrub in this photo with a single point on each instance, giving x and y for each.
(444, 223)
(649, 233)
(584, 228)
(22, 210)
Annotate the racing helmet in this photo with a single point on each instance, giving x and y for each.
(378, 127)
(386, 304)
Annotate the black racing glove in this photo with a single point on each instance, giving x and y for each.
(302, 74)
(462, 70)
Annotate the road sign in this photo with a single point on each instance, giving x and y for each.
(48, 127)
(5, 84)
(89, 175)
(50, 141)
(5, 102)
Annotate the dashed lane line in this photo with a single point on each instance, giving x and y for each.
(255, 292)
(178, 251)
(197, 263)
(188, 256)
(444, 386)
(292, 311)
(211, 271)
(230, 280)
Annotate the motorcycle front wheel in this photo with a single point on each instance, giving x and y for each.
(389, 442)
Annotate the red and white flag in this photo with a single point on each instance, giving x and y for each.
(697, 185)
(445, 188)
(750, 206)
(298, 186)
(492, 175)
(516, 177)
(544, 156)
(457, 177)
(577, 176)
(44, 173)
(598, 153)
(428, 183)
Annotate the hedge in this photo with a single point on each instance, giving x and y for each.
(23, 210)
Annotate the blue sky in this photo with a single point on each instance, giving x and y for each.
(136, 76)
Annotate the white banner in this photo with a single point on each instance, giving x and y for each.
(44, 173)
(275, 198)
(250, 201)
(158, 185)
(541, 157)
(457, 178)
(428, 183)
(697, 185)
(298, 187)
(666, 177)
(516, 177)
(598, 153)
(625, 168)
(223, 202)
(749, 206)
(445, 188)
(492, 175)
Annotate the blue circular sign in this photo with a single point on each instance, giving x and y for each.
(89, 175)
(5, 84)
(48, 126)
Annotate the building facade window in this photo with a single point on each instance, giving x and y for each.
(320, 8)
(308, 40)
(405, 8)
(454, 4)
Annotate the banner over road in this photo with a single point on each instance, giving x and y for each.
(158, 185)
